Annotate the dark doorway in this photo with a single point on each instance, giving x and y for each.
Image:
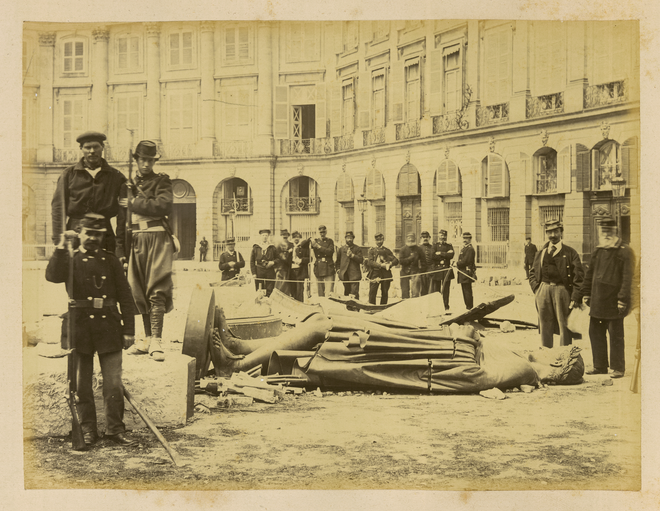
(183, 221)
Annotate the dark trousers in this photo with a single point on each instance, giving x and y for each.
(281, 277)
(552, 302)
(113, 393)
(297, 286)
(598, 328)
(436, 286)
(267, 285)
(352, 288)
(384, 291)
(202, 256)
(527, 267)
(467, 294)
(424, 284)
(410, 285)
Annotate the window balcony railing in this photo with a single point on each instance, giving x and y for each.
(493, 253)
(493, 114)
(454, 121)
(546, 184)
(603, 176)
(232, 149)
(541, 106)
(177, 151)
(306, 146)
(67, 155)
(373, 137)
(344, 143)
(302, 205)
(606, 94)
(408, 130)
(243, 205)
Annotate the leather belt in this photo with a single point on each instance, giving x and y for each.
(93, 303)
(146, 225)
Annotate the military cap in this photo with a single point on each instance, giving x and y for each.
(607, 221)
(91, 136)
(410, 236)
(379, 235)
(284, 232)
(442, 231)
(554, 224)
(264, 231)
(230, 241)
(146, 149)
(425, 234)
(467, 235)
(296, 234)
(322, 228)
(93, 222)
(349, 234)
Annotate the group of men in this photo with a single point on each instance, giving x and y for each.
(132, 270)
(560, 284)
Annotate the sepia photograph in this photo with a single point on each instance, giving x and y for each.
(332, 254)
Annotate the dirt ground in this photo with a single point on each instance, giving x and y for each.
(566, 437)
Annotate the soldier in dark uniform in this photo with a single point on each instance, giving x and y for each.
(231, 261)
(468, 269)
(443, 253)
(324, 263)
(379, 262)
(409, 257)
(203, 248)
(262, 263)
(299, 266)
(425, 263)
(98, 286)
(349, 260)
(152, 249)
(283, 252)
(530, 254)
(89, 186)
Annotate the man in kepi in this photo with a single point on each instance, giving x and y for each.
(425, 263)
(231, 261)
(299, 266)
(442, 275)
(349, 259)
(555, 278)
(409, 258)
(262, 263)
(152, 247)
(379, 262)
(283, 252)
(89, 186)
(99, 285)
(607, 290)
(467, 270)
(324, 264)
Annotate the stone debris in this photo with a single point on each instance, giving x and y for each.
(507, 327)
(493, 393)
(527, 389)
(607, 383)
(243, 390)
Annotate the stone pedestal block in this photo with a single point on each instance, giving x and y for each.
(163, 390)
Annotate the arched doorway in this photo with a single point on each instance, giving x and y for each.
(184, 217)
(409, 195)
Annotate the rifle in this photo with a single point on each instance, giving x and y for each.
(129, 196)
(77, 436)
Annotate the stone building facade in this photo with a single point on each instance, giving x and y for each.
(491, 127)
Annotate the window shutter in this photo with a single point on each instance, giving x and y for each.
(582, 169)
(369, 185)
(542, 36)
(602, 55)
(321, 130)
(491, 46)
(335, 112)
(186, 48)
(495, 176)
(453, 178)
(364, 91)
(122, 53)
(134, 49)
(630, 162)
(397, 84)
(595, 166)
(564, 171)
(281, 128)
(504, 72)
(441, 179)
(311, 188)
(435, 75)
(557, 59)
(413, 181)
(243, 43)
(230, 44)
(294, 186)
(174, 49)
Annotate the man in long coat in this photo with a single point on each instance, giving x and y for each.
(530, 254)
(262, 263)
(442, 275)
(324, 263)
(380, 260)
(409, 258)
(299, 266)
(231, 261)
(467, 270)
(349, 260)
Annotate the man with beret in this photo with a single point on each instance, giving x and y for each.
(262, 263)
(442, 275)
(607, 290)
(425, 263)
(299, 266)
(324, 263)
(467, 270)
(530, 254)
(409, 258)
(379, 262)
(556, 278)
(349, 260)
(152, 247)
(99, 285)
(89, 186)
(283, 252)
(231, 261)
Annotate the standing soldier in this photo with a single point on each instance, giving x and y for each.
(283, 253)
(203, 247)
(442, 275)
(262, 262)
(409, 257)
(467, 273)
(556, 279)
(152, 248)
(324, 264)
(99, 285)
(425, 263)
(349, 259)
(379, 262)
(299, 266)
(607, 290)
(231, 261)
(530, 254)
(89, 186)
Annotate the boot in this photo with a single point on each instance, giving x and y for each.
(156, 350)
(141, 347)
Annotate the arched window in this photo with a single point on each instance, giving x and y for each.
(448, 178)
(374, 186)
(545, 170)
(605, 165)
(236, 197)
(494, 176)
(302, 196)
(408, 182)
(345, 188)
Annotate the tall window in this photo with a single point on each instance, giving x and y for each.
(237, 44)
(498, 223)
(611, 51)
(413, 86)
(181, 49)
(378, 98)
(350, 35)
(304, 41)
(447, 178)
(453, 79)
(348, 107)
(128, 53)
(181, 117)
(302, 196)
(546, 171)
(128, 118)
(73, 121)
(74, 56)
(495, 176)
(550, 57)
(498, 50)
(454, 219)
(551, 214)
(605, 162)
(237, 113)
